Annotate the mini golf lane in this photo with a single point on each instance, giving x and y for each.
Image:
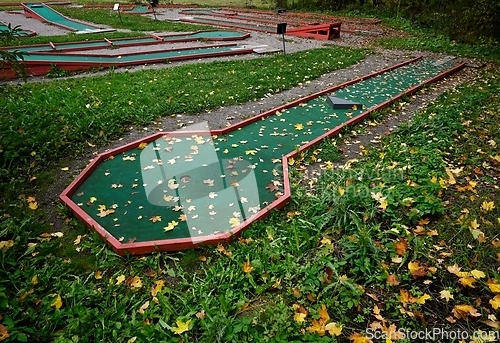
(40, 58)
(43, 12)
(135, 41)
(178, 190)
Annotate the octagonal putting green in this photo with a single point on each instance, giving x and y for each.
(177, 190)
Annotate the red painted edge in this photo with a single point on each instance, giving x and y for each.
(188, 243)
(267, 30)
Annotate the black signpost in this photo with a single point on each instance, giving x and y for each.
(281, 29)
(154, 3)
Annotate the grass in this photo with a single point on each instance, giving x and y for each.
(131, 22)
(377, 244)
(420, 39)
(333, 248)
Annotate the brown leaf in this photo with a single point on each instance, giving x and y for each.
(4, 333)
(272, 187)
(463, 311)
(401, 245)
(392, 280)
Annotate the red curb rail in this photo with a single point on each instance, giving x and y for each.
(190, 243)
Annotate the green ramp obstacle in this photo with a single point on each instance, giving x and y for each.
(178, 190)
(43, 12)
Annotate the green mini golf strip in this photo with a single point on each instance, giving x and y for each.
(177, 190)
(134, 41)
(43, 12)
(37, 64)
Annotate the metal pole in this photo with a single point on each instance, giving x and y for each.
(283, 35)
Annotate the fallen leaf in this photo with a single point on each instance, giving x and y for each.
(234, 222)
(6, 245)
(392, 280)
(142, 145)
(416, 270)
(299, 126)
(247, 267)
(143, 307)
(495, 302)
(299, 317)
(401, 246)
(98, 275)
(134, 282)
(157, 287)
(333, 329)
(57, 302)
(446, 294)
(494, 287)
(4, 333)
(120, 279)
(463, 311)
(358, 338)
(181, 326)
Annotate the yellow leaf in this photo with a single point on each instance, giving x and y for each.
(487, 206)
(92, 200)
(135, 282)
(120, 279)
(467, 281)
(416, 270)
(250, 152)
(422, 299)
(181, 326)
(341, 190)
(4, 333)
(247, 267)
(33, 205)
(34, 280)
(65, 169)
(473, 224)
(142, 145)
(494, 287)
(333, 329)
(299, 126)
(495, 302)
(98, 275)
(299, 317)
(317, 327)
(6, 245)
(357, 338)
(323, 313)
(291, 161)
(234, 222)
(477, 274)
(445, 294)
(451, 178)
(157, 287)
(57, 302)
(143, 307)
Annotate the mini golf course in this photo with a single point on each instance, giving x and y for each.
(47, 14)
(40, 58)
(177, 190)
